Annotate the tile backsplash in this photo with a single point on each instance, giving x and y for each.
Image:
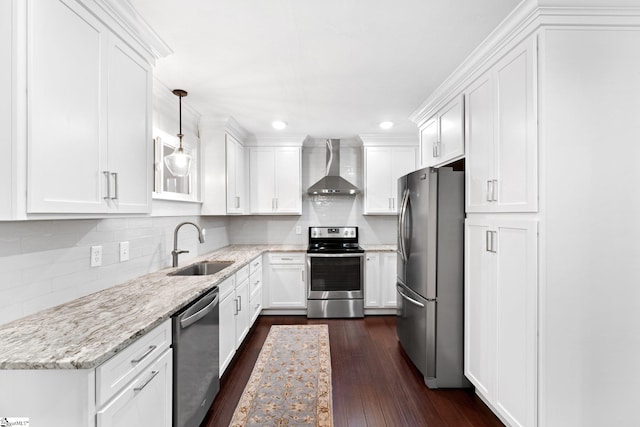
(45, 263)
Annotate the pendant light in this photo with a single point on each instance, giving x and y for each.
(179, 162)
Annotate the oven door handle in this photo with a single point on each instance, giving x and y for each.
(341, 255)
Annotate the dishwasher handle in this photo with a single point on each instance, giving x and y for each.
(190, 319)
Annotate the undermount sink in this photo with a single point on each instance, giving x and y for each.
(203, 268)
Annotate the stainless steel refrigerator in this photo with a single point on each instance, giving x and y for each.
(430, 274)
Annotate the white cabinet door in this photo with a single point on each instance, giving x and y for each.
(263, 185)
(288, 182)
(129, 142)
(235, 170)
(516, 318)
(442, 136)
(372, 281)
(428, 142)
(145, 401)
(377, 180)
(501, 129)
(516, 173)
(388, 276)
(243, 310)
(67, 150)
(480, 152)
(227, 316)
(383, 167)
(7, 116)
(276, 180)
(501, 315)
(287, 287)
(479, 330)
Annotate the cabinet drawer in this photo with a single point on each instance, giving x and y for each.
(226, 287)
(255, 281)
(287, 258)
(242, 274)
(255, 265)
(255, 305)
(116, 372)
(145, 401)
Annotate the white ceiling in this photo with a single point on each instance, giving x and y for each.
(329, 68)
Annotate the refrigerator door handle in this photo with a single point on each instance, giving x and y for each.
(411, 300)
(401, 224)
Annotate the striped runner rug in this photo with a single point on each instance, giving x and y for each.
(290, 385)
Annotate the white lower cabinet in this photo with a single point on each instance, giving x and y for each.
(287, 281)
(240, 305)
(243, 310)
(501, 315)
(133, 388)
(145, 401)
(227, 316)
(380, 280)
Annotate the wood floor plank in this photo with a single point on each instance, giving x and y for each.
(374, 383)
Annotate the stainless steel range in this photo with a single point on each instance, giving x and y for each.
(335, 273)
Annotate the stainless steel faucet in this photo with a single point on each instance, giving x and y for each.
(175, 252)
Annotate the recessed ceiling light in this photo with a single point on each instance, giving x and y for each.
(386, 125)
(278, 124)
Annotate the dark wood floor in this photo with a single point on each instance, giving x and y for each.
(374, 384)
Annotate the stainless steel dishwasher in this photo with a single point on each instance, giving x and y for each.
(195, 360)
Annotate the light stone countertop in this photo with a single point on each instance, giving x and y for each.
(85, 332)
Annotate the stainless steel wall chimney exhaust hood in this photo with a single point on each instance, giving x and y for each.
(333, 183)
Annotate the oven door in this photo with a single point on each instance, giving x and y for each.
(335, 276)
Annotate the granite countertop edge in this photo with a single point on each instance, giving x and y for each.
(86, 332)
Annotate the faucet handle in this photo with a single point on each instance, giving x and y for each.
(179, 251)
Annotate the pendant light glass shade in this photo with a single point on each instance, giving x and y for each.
(179, 162)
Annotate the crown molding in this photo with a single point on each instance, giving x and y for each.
(524, 20)
(128, 18)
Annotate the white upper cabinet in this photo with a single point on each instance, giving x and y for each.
(383, 165)
(501, 134)
(129, 110)
(67, 147)
(442, 135)
(236, 194)
(276, 180)
(88, 118)
(224, 159)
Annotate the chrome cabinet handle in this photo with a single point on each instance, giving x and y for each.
(153, 375)
(237, 201)
(237, 310)
(491, 241)
(115, 185)
(146, 353)
(107, 175)
(489, 193)
(240, 302)
(494, 184)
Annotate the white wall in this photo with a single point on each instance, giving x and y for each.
(319, 210)
(46, 263)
